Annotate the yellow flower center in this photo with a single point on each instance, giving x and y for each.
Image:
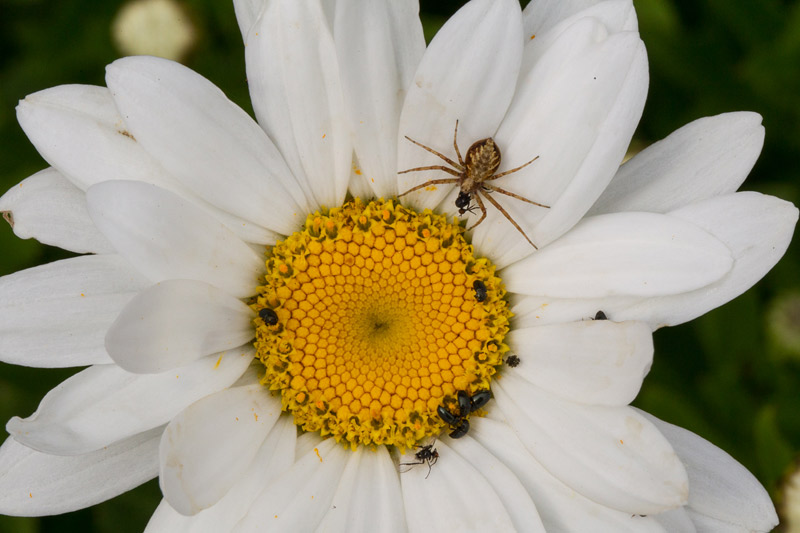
(378, 323)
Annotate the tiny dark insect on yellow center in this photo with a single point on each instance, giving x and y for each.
(471, 174)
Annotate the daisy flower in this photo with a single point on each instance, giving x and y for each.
(291, 340)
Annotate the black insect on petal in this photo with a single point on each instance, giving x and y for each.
(426, 454)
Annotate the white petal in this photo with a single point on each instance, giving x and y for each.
(38, 484)
(755, 227)
(719, 487)
(165, 236)
(274, 457)
(247, 12)
(299, 498)
(211, 445)
(611, 455)
(468, 74)
(545, 21)
(545, 16)
(50, 209)
(516, 500)
(80, 132)
(379, 45)
(560, 508)
(251, 376)
(706, 524)
(677, 520)
(105, 404)
(530, 311)
(595, 362)
(455, 497)
(576, 110)
(368, 497)
(56, 315)
(641, 254)
(176, 322)
(306, 442)
(165, 519)
(207, 142)
(359, 185)
(329, 8)
(294, 83)
(249, 232)
(709, 157)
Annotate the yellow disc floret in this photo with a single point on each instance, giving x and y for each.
(378, 322)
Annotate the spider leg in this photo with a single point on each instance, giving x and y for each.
(455, 145)
(428, 184)
(449, 170)
(434, 152)
(507, 172)
(508, 217)
(483, 210)
(512, 195)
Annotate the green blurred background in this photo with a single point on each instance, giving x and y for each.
(732, 376)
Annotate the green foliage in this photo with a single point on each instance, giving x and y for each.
(717, 376)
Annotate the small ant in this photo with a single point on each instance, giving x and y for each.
(512, 361)
(466, 404)
(269, 316)
(426, 454)
(600, 316)
(480, 290)
(471, 174)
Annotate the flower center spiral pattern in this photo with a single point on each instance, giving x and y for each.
(378, 323)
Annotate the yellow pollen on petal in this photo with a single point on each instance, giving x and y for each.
(378, 324)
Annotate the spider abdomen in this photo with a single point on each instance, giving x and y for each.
(482, 161)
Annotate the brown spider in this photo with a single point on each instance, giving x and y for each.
(471, 174)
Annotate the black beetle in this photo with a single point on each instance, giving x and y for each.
(466, 404)
(480, 290)
(269, 316)
(478, 400)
